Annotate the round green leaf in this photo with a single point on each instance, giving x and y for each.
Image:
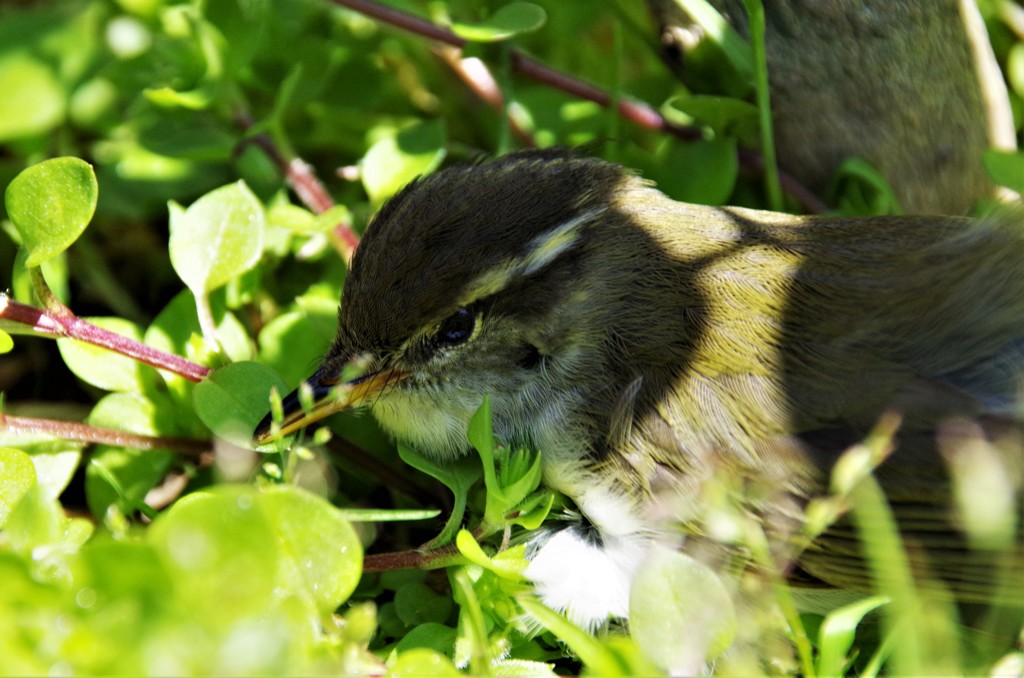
(234, 399)
(680, 612)
(423, 663)
(219, 237)
(50, 204)
(432, 636)
(293, 341)
(55, 468)
(17, 476)
(397, 159)
(6, 343)
(123, 475)
(510, 20)
(1005, 168)
(321, 553)
(235, 552)
(712, 183)
(33, 100)
(221, 552)
(416, 603)
(102, 367)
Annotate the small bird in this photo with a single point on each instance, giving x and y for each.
(643, 344)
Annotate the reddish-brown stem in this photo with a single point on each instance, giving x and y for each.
(407, 22)
(70, 326)
(307, 187)
(636, 112)
(475, 75)
(305, 184)
(73, 430)
(413, 559)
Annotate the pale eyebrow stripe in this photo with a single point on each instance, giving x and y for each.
(543, 250)
(547, 247)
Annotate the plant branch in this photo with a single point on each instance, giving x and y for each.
(636, 112)
(413, 559)
(309, 189)
(68, 325)
(73, 430)
(474, 74)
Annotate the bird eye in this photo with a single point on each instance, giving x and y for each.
(456, 328)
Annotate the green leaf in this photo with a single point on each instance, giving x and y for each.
(218, 238)
(120, 475)
(181, 133)
(33, 101)
(195, 100)
(481, 434)
(395, 160)
(50, 205)
(221, 551)
(458, 476)
(17, 477)
(123, 477)
(430, 635)
(6, 343)
(680, 612)
(702, 172)
(282, 213)
(295, 340)
(725, 115)
(837, 632)
(361, 515)
(416, 603)
(55, 467)
(859, 188)
(534, 510)
(234, 398)
(421, 662)
(236, 553)
(509, 564)
(598, 657)
(509, 20)
(102, 367)
(1006, 168)
(321, 554)
(519, 475)
(736, 49)
(523, 668)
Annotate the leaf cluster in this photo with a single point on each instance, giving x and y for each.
(157, 158)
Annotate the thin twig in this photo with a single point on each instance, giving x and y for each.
(474, 74)
(73, 430)
(68, 325)
(636, 112)
(413, 559)
(309, 189)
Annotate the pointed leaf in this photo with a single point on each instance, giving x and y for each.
(218, 238)
(233, 399)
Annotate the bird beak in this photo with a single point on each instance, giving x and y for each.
(328, 396)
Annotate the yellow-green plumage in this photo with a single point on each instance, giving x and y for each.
(644, 345)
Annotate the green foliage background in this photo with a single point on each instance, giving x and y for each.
(118, 559)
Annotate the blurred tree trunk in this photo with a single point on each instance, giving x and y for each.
(912, 86)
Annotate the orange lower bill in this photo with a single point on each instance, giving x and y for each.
(328, 399)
